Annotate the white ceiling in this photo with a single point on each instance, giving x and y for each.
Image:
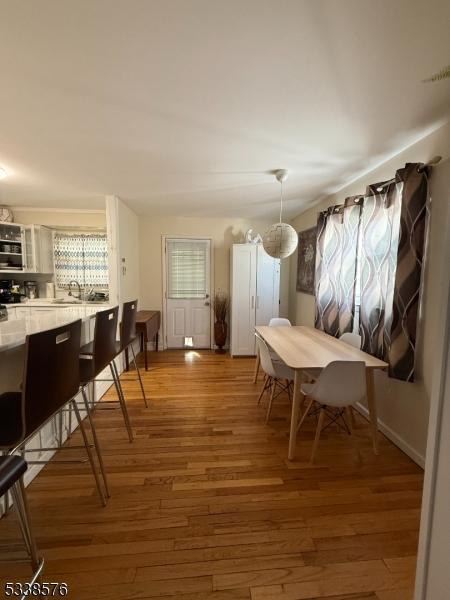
(184, 106)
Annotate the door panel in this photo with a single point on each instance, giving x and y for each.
(243, 300)
(188, 304)
(179, 321)
(267, 287)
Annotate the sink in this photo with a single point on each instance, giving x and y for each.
(57, 301)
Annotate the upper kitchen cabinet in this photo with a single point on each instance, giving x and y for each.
(12, 254)
(25, 248)
(38, 249)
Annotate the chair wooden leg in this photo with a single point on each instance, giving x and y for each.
(352, 417)
(269, 407)
(305, 414)
(255, 375)
(264, 388)
(349, 418)
(318, 432)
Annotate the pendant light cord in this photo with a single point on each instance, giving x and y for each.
(281, 200)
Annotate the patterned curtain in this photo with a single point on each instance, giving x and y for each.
(393, 224)
(336, 254)
(81, 257)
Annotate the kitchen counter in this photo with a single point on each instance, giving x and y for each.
(33, 317)
(55, 304)
(14, 332)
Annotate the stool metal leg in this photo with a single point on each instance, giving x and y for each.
(139, 375)
(89, 453)
(123, 406)
(21, 505)
(96, 442)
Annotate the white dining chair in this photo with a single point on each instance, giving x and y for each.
(274, 322)
(352, 339)
(279, 375)
(279, 322)
(340, 385)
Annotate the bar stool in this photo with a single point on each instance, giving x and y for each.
(99, 354)
(12, 469)
(128, 336)
(51, 381)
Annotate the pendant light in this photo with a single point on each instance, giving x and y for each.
(280, 240)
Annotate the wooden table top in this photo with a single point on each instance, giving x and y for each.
(142, 316)
(307, 348)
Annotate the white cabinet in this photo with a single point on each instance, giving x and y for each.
(255, 294)
(39, 249)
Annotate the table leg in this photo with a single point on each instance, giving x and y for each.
(296, 401)
(127, 361)
(145, 350)
(142, 341)
(157, 341)
(372, 408)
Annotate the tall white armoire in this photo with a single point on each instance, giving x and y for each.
(255, 294)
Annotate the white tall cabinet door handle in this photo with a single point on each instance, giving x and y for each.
(257, 302)
(253, 301)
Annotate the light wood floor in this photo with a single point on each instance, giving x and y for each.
(205, 505)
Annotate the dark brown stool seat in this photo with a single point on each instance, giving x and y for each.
(11, 418)
(88, 349)
(51, 381)
(99, 354)
(12, 469)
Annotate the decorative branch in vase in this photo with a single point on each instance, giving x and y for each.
(220, 304)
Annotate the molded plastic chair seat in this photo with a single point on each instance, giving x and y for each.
(340, 385)
(352, 339)
(276, 371)
(11, 470)
(279, 322)
(11, 418)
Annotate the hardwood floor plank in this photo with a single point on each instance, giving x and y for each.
(205, 505)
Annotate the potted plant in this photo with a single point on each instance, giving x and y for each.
(220, 325)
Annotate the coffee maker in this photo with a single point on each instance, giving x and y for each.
(9, 292)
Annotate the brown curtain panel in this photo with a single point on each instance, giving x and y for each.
(393, 225)
(336, 254)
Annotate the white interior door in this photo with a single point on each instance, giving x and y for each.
(188, 303)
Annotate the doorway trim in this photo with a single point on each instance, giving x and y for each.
(438, 395)
(171, 236)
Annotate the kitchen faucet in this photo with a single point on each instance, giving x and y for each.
(79, 289)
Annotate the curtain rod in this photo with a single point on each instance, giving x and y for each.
(434, 161)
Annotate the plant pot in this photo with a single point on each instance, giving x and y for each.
(220, 335)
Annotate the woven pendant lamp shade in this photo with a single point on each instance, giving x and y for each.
(281, 239)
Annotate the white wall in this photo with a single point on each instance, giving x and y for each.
(123, 251)
(403, 407)
(223, 231)
(59, 218)
(433, 576)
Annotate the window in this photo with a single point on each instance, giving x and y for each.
(81, 257)
(187, 262)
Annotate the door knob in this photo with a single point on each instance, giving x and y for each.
(206, 303)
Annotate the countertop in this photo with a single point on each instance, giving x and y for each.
(13, 333)
(45, 302)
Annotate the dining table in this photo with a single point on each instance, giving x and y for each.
(304, 348)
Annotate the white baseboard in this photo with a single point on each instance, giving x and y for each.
(395, 438)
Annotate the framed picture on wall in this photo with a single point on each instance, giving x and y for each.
(306, 260)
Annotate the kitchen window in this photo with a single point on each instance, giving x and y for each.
(81, 257)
